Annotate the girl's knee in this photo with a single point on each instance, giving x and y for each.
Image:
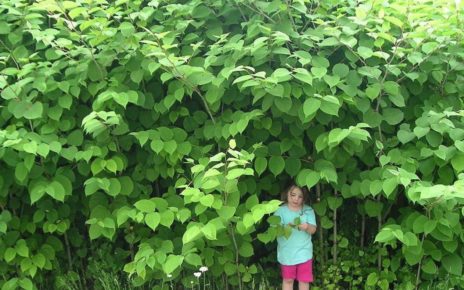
(288, 281)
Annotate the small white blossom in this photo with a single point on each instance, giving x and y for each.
(203, 269)
(169, 276)
(197, 274)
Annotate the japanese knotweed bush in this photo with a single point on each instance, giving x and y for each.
(157, 135)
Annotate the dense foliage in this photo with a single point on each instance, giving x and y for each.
(140, 140)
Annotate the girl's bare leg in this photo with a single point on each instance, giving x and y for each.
(287, 284)
(303, 286)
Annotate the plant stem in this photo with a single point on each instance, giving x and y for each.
(321, 231)
(335, 233)
(419, 266)
(363, 230)
(379, 219)
(68, 251)
(232, 233)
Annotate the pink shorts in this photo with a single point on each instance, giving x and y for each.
(301, 272)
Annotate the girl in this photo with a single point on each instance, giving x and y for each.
(295, 253)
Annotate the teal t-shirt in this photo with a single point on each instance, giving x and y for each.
(298, 248)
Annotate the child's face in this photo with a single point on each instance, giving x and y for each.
(295, 197)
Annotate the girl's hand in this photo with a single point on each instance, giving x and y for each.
(303, 227)
(310, 229)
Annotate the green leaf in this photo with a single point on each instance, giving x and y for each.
(22, 249)
(170, 146)
(393, 116)
(209, 231)
(11, 284)
(4, 27)
(33, 111)
(326, 170)
(127, 29)
(276, 165)
(172, 263)
(437, 75)
(341, 70)
(121, 98)
(200, 77)
(30, 147)
(389, 185)
(349, 41)
(318, 72)
(330, 41)
(453, 264)
(207, 200)
(365, 52)
(319, 61)
(152, 219)
(332, 81)
(281, 74)
(292, 166)
(398, 100)
(145, 205)
(260, 165)
(312, 178)
(371, 72)
(65, 102)
(429, 47)
(56, 190)
(167, 218)
(37, 190)
(95, 72)
(330, 105)
(372, 279)
(373, 208)
(405, 136)
(373, 91)
(458, 162)
(421, 132)
(112, 166)
(226, 212)
(10, 92)
(193, 259)
(9, 255)
(95, 231)
(39, 260)
(246, 250)
(26, 284)
(334, 202)
(459, 144)
(303, 75)
(75, 138)
(391, 88)
(310, 106)
(384, 236)
(157, 145)
(337, 135)
(191, 234)
(429, 267)
(21, 172)
(115, 187)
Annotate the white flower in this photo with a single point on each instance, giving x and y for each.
(169, 276)
(197, 274)
(203, 269)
